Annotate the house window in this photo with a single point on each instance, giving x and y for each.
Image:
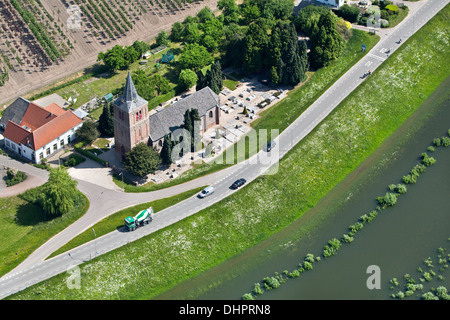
(7, 143)
(41, 155)
(160, 143)
(210, 114)
(13, 146)
(61, 142)
(48, 151)
(68, 139)
(55, 147)
(140, 115)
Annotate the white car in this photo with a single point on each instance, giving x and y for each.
(206, 192)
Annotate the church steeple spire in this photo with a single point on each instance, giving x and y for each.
(130, 99)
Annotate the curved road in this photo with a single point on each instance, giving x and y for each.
(34, 269)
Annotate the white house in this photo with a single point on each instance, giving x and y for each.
(39, 132)
(332, 3)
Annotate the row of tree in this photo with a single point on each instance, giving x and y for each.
(120, 58)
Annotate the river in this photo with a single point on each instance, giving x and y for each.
(397, 241)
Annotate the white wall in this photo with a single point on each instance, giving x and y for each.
(28, 153)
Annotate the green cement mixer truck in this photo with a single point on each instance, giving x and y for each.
(142, 218)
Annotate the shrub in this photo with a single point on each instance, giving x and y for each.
(437, 142)
(332, 248)
(427, 160)
(257, 289)
(388, 200)
(294, 274)
(445, 141)
(431, 149)
(346, 238)
(271, 283)
(309, 257)
(248, 296)
(14, 177)
(354, 228)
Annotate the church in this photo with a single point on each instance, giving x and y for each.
(133, 123)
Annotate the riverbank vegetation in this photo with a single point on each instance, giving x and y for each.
(263, 207)
(426, 273)
(333, 245)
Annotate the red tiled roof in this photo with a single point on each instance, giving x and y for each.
(53, 129)
(55, 109)
(15, 133)
(45, 125)
(36, 116)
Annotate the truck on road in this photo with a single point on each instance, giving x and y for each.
(142, 218)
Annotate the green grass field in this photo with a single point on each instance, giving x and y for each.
(25, 227)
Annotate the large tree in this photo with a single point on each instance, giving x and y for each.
(187, 79)
(166, 151)
(58, 194)
(142, 160)
(213, 78)
(326, 42)
(88, 131)
(195, 57)
(106, 122)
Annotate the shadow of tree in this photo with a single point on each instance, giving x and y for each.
(30, 215)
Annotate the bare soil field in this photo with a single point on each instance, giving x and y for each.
(79, 30)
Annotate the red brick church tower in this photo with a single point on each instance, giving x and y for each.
(131, 120)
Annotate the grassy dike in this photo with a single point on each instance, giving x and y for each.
(144, 269)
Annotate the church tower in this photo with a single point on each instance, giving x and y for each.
(131, 120)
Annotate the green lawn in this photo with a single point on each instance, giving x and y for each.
(25, 227)
(145, 268)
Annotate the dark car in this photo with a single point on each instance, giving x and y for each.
(270, 145)
(238, 183)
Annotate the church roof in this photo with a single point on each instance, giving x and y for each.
(171, 117)
(130, 100)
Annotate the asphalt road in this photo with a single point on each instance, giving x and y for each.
(37, 270)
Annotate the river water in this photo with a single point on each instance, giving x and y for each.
(396, 241)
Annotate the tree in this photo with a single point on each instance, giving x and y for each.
(176, 33)
(326, 42)
(141, 47)
(187, 79)
(349, 13)
(254, 48)
(195, 57)
(142, 160)
(192, 124)
(162, 38)
(106, 122)
(160, 84)
(58, 194)
(308, 17)
(191, 33)
(212, 79)
(114, 58)
(88, 131)
(166, 151)
(205, 15)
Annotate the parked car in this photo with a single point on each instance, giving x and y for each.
(270, 146)
(238, 183)
(206, 192)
